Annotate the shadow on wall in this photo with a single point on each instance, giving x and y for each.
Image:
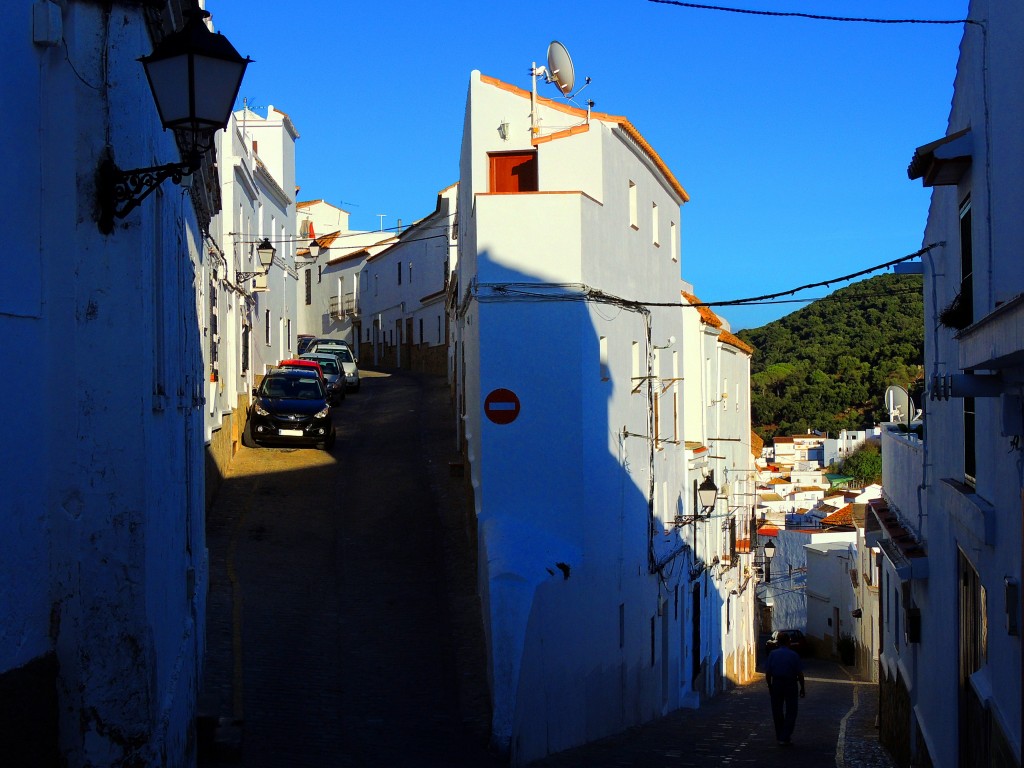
(600, 618)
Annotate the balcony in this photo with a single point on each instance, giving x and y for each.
(342, 307)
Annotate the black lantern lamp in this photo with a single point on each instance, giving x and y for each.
(769, 553)
(195, 75)
(707, 493)
(266, 253)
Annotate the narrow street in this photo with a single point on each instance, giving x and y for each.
(343, 625)
(344, 628)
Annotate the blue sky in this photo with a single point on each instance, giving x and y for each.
(792, 136)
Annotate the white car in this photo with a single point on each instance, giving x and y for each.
(346, 359)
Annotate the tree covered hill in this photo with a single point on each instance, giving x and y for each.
(826, 367)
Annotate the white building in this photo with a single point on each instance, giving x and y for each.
(103, 566)
(951, 521)
(271, 303)
(596, 580)
(248, 325)
(330, 302)
(402, 291)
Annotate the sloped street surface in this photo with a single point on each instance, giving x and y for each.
(344, 627)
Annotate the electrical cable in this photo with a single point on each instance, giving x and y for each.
(812, 16)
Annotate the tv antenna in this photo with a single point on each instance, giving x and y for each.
(900, 405)
(560, 71)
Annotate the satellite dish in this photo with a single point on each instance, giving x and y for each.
(899, 405)
(560, 69)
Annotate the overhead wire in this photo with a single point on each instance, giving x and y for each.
(811, 16)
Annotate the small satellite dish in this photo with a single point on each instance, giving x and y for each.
(560, 69)
(899, 405)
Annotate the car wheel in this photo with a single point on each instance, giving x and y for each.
(247, 439)
(328, 444)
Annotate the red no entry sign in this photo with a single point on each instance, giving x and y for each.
(502, 406)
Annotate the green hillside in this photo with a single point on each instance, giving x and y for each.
(826, 366)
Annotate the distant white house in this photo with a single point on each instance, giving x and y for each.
(329, 302)
(603, 602)
(950, 666)
(404, 290)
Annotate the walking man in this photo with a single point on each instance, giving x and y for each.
(784, 672)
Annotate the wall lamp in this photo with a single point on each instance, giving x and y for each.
(707, 494)
(266, 253)
(769, 553)
(195, 75)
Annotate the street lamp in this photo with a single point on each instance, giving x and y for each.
(707, 493)
(194, 75)
(769, 553)
(266, 252)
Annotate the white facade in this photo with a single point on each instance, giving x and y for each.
(593, 597)
(952, 520)
(267, 153)
(330, 298)
(103, 566)
(403, 297)
(830, 596)
(239, 316)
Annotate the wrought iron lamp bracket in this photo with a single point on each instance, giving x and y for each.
(120, 192)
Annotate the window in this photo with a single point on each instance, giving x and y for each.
(655, 396)
(603, 358)
(410, 273)
(319, 273)
(673, 241)
(675, 396)
(421, 330)
(246, 332)
(399, 273)
(654, 224)
(634, 220)
(266, 326)
(513, 172)
(966, 261)
(309, 287)
(970, 443)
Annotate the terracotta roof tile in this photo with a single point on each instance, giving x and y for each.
(622, 122)
(843, 516)
(706, 315)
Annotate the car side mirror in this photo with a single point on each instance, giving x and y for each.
(254, 392)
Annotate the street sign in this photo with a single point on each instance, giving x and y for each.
(502, 406)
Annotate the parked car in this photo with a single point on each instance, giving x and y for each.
(326, 344)
(334, 383)
(290, 407)
(794, 638)
(350, 367)
(333, 374)
(303, 341)
(298, 363)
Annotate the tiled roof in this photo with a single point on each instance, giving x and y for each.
(728, 338)
(843, 516)
(706, 315)
(584, 114)
(756, 443)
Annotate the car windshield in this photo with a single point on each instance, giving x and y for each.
(345, 355)
(292, 388)
(329, 366)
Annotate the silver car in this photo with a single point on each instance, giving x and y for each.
(343, 353)
(333, 375)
